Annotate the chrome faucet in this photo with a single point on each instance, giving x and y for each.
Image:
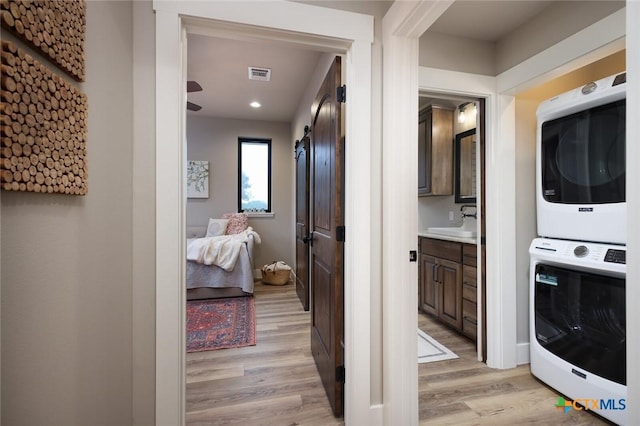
(465, 214)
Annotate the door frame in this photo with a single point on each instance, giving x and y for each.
(286, 22)
(633, 205)
(402, 26)
(438, 81)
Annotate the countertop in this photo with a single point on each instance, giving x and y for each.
(448, 238)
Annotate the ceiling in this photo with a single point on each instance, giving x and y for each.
(487, 20)
(220, 65)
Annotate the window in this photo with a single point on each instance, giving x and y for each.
(254, 175)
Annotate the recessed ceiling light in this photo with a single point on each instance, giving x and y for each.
(255, 104)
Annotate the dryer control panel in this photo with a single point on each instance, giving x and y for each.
(616, 256)
(596, 256)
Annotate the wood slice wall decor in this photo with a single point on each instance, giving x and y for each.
(43, 127)
(55, 28)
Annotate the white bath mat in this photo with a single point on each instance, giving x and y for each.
(429, 350)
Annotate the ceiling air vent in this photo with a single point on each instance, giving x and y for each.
(262, 74)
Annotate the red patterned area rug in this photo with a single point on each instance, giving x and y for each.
(220, 323)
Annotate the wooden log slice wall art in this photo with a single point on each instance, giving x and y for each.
(43, 127)
(55, 28)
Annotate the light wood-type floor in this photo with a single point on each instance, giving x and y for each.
(276, 381)
(272, 383)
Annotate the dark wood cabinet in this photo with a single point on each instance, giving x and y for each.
(447, 283)
(440, 287)
(469, 291)
(435, 151)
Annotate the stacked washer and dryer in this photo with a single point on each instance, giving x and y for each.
(578, 267)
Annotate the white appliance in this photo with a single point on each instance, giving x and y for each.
(580, 163)
(577, 322)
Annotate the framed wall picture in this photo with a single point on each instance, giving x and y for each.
(197, 179)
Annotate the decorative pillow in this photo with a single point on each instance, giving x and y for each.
(196, 231)
(238, 222)
(217, 227)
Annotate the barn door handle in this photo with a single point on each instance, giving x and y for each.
(308, 239)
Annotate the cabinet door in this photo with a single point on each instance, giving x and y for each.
(449, 276)
(428, 295)
(441, 152)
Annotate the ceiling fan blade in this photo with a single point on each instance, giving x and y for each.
(193, 107)
(193, 86)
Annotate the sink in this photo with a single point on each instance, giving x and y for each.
(458, 231)
(466, 230)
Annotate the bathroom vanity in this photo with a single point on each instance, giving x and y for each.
(447, 286)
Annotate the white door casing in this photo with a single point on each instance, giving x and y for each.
(332, 30)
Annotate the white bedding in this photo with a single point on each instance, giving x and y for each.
(211, 277)
(221, 251)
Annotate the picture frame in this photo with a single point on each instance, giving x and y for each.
(197, 179)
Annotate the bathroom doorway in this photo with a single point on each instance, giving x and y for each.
(451, 225)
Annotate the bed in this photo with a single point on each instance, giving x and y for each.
(214, 269)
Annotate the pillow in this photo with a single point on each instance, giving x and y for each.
(217, 227)
(196, 231)
(238, 222)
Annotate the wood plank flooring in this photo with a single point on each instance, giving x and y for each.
(276, 381)
(464, 391)
(273, 383)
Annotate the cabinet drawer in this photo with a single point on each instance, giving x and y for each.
(469, 293)
(440, 248)
(469, 311)
(469, 255)
(470, 275)
(470, 329)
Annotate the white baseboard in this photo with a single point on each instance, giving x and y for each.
(522, 353)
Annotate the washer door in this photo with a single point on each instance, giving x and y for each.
(580, 317)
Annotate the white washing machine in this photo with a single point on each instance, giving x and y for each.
(578, 324)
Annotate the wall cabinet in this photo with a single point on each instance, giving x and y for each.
(435, 151)
(447, 286)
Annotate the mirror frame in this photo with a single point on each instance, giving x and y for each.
(458, 142)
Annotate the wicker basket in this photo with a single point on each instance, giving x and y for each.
(276, 273)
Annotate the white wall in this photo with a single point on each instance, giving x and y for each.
(216, 140)
(526, 106)
(144, 209)
(457, 54)
(67, 260)
(552, 25)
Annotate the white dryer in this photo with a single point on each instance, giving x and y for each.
(580, 163)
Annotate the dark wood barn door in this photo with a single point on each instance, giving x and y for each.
(327, 214)
(302, 220)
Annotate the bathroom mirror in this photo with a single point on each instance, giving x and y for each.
(465, 167)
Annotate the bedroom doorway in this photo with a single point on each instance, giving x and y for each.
(332, 340)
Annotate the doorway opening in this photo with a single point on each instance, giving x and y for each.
(451, 284)
(213, 133)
